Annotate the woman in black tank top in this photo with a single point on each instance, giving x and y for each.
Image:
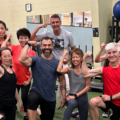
(8, 91)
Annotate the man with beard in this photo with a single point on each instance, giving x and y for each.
(44, 80)
(62, 39)
(111, 82)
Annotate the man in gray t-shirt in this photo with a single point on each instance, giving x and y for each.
(62, 39)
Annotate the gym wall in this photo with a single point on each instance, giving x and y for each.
(13, 13)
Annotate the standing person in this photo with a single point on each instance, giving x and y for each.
(3, 36)
(8, 91)
(62, 39)
(86, 23)
(22, 73)
(77, 98)
(111, 82)
(45, 73)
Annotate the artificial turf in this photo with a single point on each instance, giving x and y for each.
(59, 113)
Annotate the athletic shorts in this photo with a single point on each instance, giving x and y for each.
(115, 109)
(47, 107)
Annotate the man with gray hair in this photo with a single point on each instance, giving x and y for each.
(111, 81)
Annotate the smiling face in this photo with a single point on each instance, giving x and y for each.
(23, 40)
(55, 24)
(46, 47)
(76, 59)
(6, 57)
(112, 54)
(2, 31)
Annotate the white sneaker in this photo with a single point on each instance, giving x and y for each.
(106, 114)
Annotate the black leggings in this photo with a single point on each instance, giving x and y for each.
(9, 111)
(81, 103)
(24, 94)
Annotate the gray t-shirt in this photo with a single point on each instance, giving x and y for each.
(60, 42)
(77, 82)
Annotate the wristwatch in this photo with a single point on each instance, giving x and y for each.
(75, 96)
(27, 43)
(110, 98)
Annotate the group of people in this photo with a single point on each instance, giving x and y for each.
(47, 68)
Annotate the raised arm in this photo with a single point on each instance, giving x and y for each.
(98, 57)
(33, 34)
(4, 44)
(59, 68)
(24, 59)
(68, 59)
(86, 72)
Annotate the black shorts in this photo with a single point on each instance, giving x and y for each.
(8, 111)
(115, 109)
(47, 107)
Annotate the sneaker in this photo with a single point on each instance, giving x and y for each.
(106, 114)
(74, 114)
(25, 118)
(38, 111)
(111, 116)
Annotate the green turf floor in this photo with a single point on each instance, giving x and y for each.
(59, 113)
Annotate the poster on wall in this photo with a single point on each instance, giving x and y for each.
(95, 32)
(79, 24)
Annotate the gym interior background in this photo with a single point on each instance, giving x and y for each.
(13, 13)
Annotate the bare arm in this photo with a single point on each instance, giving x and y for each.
(59, 68)
(19, 101)
(29, 80)
(98, 57)
(86, 87)
(108, 98)
(33, 34)
(17, 96)
(116, 96)
(67, 59)
(62, 85)
(4, 44)
(86, 72)
(24, 59)
(63, 90)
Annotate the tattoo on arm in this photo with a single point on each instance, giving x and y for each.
(63, 87)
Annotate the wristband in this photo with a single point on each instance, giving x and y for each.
(28, 44)
(75, 96)
(110, 98)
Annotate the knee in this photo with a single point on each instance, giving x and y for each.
(93, 102)
(2, 117)
(72, 102)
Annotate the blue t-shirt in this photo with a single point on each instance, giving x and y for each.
(45, 76)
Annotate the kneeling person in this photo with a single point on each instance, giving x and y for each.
(44, 81)
(111, 81)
